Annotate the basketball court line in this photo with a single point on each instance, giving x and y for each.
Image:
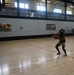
(48, 50)
(40, 47)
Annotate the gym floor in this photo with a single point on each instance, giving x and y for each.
(36, 57)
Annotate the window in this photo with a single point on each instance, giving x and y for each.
(15, 4)
(57, 7)
(70, 9)
(57, 10)
(26, 6)
(22, 5)
(41, 8)
(69, 12)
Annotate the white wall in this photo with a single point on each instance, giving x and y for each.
(32, 27)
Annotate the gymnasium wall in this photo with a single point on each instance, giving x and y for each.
(27, 27)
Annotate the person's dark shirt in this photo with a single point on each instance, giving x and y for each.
(62, 37)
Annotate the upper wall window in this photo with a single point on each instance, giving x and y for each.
(33, 4)
(26, 6)
(69, 12)
(22, 5)
(41, 6)
(70, 9)
(57, 10)
(55, 6)
(15, 4)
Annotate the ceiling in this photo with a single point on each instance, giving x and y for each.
(68, 1)
(57, 2)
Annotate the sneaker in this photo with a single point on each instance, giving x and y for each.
(65, 55)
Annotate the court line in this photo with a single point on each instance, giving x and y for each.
(40, 47)
(46, 49)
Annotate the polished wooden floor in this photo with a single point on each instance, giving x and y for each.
(36, 57)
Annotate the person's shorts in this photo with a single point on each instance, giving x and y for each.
(60, 43)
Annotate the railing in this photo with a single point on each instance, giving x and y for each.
(34, 14)
(51, 15)
(9, 12)
(70, 17)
